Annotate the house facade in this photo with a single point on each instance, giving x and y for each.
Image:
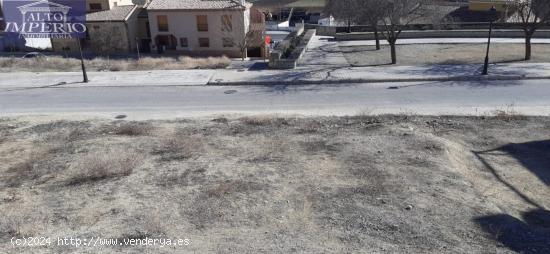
(190, 27)
(113, 26)
(205, 27)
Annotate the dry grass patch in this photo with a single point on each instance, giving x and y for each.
(179, 147)
(263, 120)
(419, 54)
(223, 203)
(149, 223)
(508, 115)
(269, 149)
(56, 63)
(309, 127)
(339, 185)
(25, 216)
(134, 129)
(319, 145)
(29, 169)
(103, 165)
(231, 187)
(38, 64)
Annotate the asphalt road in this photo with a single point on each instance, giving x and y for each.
(472, 98)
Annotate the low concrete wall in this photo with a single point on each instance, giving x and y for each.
(276, 55)
(444, 34)
(424, 27)
(325, 30)
(277, 62)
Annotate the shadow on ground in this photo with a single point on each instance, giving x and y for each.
(258, 66)
(534, 156)
(530, 233)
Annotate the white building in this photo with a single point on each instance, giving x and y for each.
(204, 27)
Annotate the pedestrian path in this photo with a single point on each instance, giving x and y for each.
(322, 50)
(312, 74)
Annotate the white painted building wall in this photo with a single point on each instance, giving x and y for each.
(183, 24)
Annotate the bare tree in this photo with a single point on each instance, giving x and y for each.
(532, 14)
(371, 12)
(253, 38)
(243, 32)
(346, 10)
(398, 14)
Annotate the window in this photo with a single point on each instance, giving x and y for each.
(95, 7)
(204, 42)
(184, 43)
(228, 42)
(227, 23)
(162, 22)
(202, 23)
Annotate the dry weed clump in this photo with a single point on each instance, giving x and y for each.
(103, 165)
(264, 121)
(21, 218)
(134, 129)
(310, 127)
(27, 170)
(149, 223)
(507, 115)
(179, 147)
(222, 202)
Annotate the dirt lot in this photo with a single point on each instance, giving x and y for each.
(418, 54)
(363, 184)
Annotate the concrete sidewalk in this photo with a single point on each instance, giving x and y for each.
(337, 74)
(323, 51)
(18, 80)
(303, 75)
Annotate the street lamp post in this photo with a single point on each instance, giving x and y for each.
(492, 14)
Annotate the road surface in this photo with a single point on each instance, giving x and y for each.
(530, 97)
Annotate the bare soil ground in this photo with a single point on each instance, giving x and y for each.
(419, 54)
(363, 184)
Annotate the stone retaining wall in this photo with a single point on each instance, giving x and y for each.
(276, 60)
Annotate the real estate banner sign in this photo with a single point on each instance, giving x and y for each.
(45, 18)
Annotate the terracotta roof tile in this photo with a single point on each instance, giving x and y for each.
(194, 4)
(118, 13)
